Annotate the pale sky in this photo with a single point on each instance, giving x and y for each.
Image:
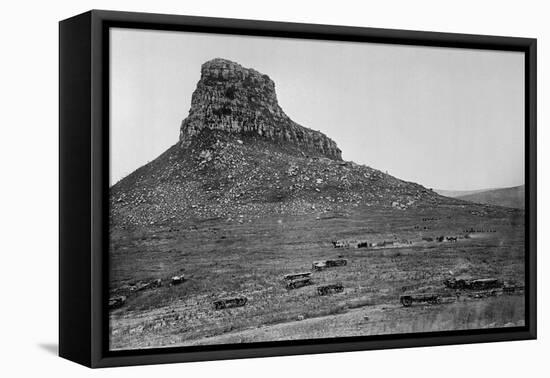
(444, 118)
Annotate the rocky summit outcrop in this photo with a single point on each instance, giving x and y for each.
(242, 101)
(240, 158)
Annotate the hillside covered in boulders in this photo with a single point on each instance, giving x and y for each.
(239, 154)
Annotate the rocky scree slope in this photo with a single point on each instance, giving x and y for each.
(227, 167)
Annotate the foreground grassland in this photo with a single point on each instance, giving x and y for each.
(248, 257)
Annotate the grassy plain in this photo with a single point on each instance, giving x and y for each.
(249, 256)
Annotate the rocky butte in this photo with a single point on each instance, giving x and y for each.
(240, 100)
(239, 156)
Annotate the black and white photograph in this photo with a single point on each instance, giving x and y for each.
(266, 189)
(291, 189)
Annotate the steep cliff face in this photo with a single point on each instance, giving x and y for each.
(242, 101)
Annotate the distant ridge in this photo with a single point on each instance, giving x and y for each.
(460, 193)
(513, 197)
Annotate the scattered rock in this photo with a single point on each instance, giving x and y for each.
(140, 286)
(176, 280)
(117, 301)
(240, 154)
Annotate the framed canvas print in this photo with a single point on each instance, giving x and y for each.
(234, 188)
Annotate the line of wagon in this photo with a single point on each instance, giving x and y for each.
(457, 287)
(474, 288)
(294, 281)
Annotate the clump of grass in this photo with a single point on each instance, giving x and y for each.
(360, 302)
(489, 313)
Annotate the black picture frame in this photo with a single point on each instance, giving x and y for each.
(83, 181)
